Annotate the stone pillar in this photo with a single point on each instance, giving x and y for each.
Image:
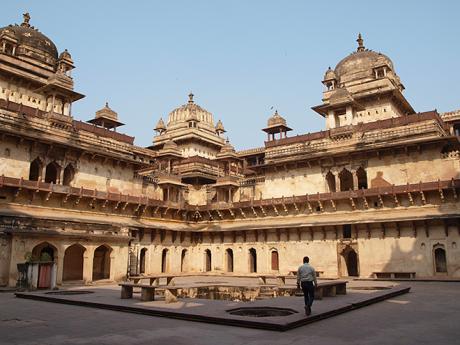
(349, 115)
(88, 256)
(60, 266)
(330, 120)
(355, 180)
(337, 182)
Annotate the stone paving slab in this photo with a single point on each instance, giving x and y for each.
(215, 311)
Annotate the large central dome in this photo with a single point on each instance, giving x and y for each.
(189, 112)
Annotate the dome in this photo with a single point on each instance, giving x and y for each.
(190, 111)
(160, 125)
(363, 60)
(220, 127)
(276, 120)
(107, 113)
(330, 74)
(31, 42)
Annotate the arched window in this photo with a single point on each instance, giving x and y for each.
(184, 261)
(207, 259)
(142, 260)
(252, 260)
(69, 174)
(52, 173)
(164, 261)
(362, 178)
(35, 170)
(275, 261)
(346, 180)
(330, 179)
(229, 259)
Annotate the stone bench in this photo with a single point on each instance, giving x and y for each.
(147, 291)
(318, 273)
(153, 280)
(279, 278)
(331, 289)
(394, 275)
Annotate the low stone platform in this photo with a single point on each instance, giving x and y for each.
(217, 311)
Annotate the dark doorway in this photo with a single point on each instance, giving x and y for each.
(52, 172)
(330, 179)
(440, 260)
(35, 170)
(142, 260)
(207, 258)
(73, 263)
(229, 258)
(346, 180)
(69, 173)
(362, 178)
(184, 261)
(252, 260)
(275, 261)
(101, 263)
(351, 260)
(164, 261)
(346, 231)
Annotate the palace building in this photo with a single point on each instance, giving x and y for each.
(376, 192)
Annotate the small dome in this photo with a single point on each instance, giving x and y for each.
(31, 42)
(340, 95)
(107, 113)
(220, 127)
(65, 55)
(160, 125)
(170, 144)
(329, 75)
(276, 120)
(227, 147)
(361, 61)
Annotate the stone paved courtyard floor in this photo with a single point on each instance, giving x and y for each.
(428, 314)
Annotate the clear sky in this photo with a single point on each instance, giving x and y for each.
(240, 58)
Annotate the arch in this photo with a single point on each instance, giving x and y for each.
(164, 261)
(275, 260)
(73, 262)
(252, 260)
(44, 252)
(142, 260)
(69, 174)
(35, 170)
(361, 174)
(229, 260)
(440, 260)
(330, 179)
(207, 260)
(101, 262)
(346, 180)
(184, 260)
(52, 172)
(351, 262)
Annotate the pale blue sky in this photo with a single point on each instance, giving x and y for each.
(240, 58)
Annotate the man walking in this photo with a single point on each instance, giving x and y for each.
(306, 279)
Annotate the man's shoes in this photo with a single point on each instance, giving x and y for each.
(307, 310)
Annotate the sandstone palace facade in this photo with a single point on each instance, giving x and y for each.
(377, 191)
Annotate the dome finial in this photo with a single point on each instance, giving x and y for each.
(106, 104)
(190, 98)
(26, 17)
(360, 43)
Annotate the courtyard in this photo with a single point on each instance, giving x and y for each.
(425, 315)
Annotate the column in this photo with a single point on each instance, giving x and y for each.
(88, 265)
(355, 180)
(330, 120)
(349, 115)
(60, 265)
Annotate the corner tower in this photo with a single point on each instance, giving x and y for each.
(363, 87)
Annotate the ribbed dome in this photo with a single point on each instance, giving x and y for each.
(329, 75)
(31, 42)
(190, 111)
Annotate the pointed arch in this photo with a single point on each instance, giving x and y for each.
(73, 262)
(275, 260)
(229, 259)
(330, 179)
(142, 259)
(184, 260)
(252, 260)
(101, 262)
(346, 180)
(35, 170)
(207, 261)
(52, 172)
(69, 174)
(164, 261)
(362, 178)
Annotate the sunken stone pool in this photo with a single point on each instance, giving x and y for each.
(261, 311)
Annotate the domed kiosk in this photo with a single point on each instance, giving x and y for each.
(363, 87)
